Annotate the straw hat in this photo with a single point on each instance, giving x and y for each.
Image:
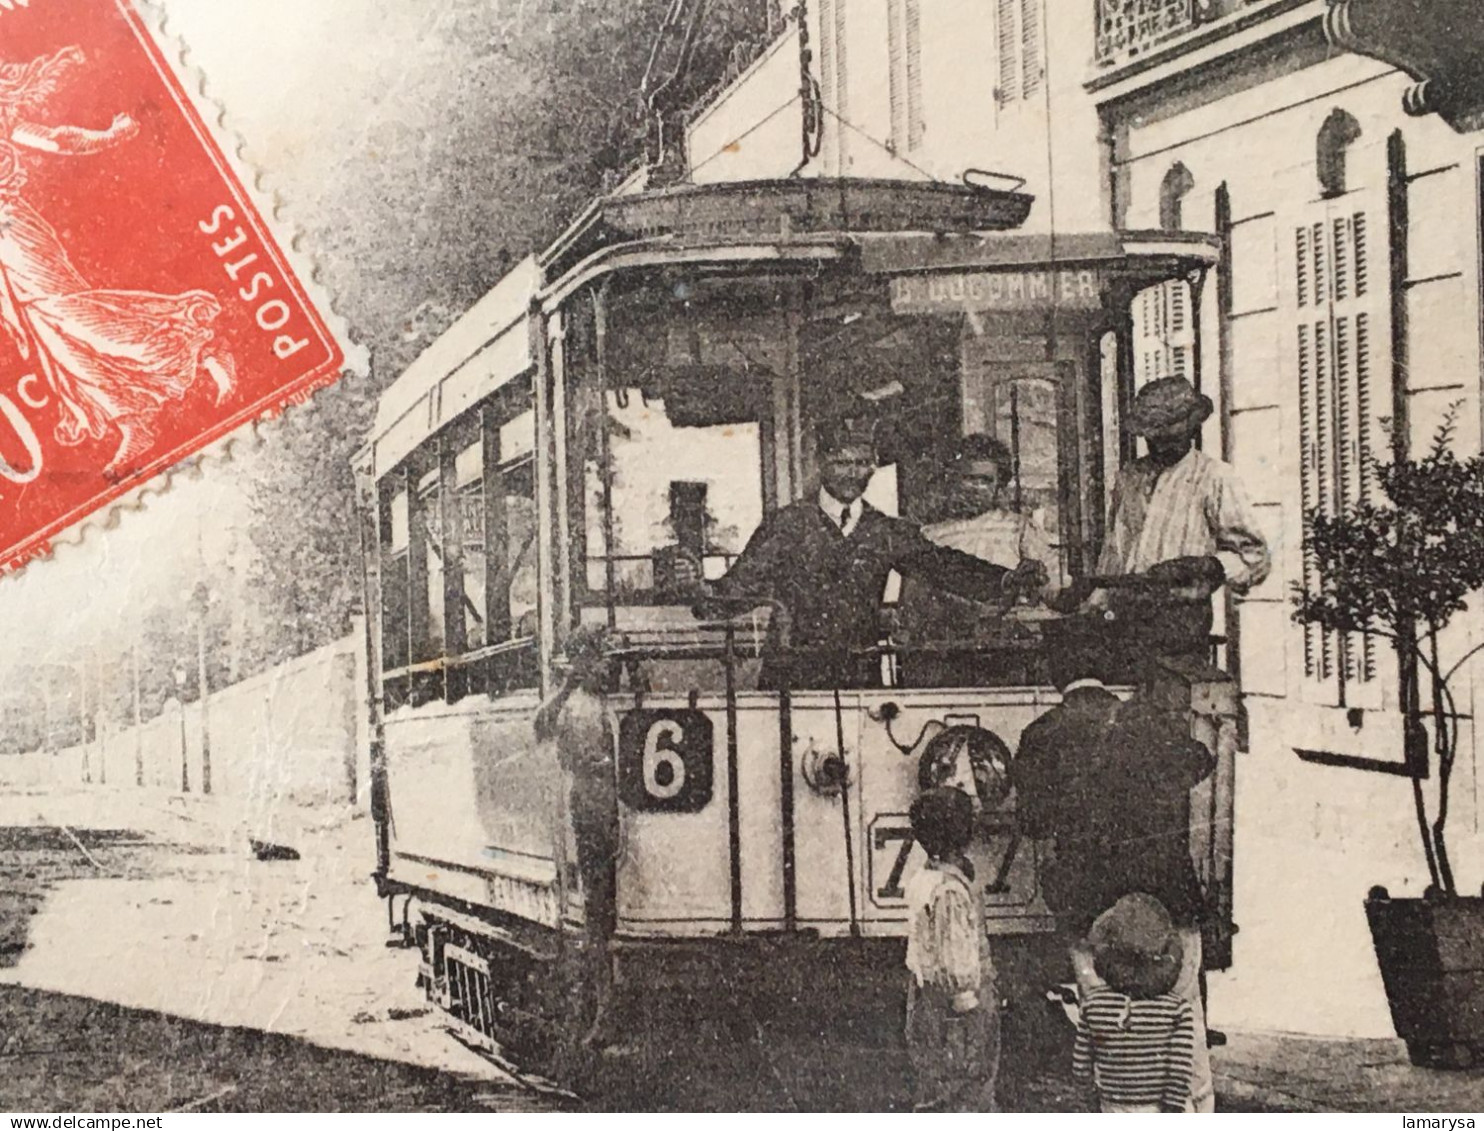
(1136, 948)
(1167, 404)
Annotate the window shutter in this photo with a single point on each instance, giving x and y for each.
(904, 78)
(1164, 334)
(1180, 335)
(1339, 432)
(1309, 459)
(1031, 70)
(1008, 41)
(912, 29)
(1356, 430)
(896, 62)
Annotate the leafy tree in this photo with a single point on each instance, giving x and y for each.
(487, 146)
(1400, 566)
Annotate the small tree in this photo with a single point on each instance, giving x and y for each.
(1401, 566)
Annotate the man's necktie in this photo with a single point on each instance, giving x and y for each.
(844, 519)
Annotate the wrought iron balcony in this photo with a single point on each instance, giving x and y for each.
(1128, 30)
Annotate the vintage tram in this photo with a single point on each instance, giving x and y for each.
(648, 385)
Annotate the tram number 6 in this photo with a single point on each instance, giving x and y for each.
(664, 769)
(665, 760)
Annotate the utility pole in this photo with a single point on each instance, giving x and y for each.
(185, 757)
(46, 712)
(203, 602)
(138, 728)
(201, 598)
(100, 717)
(83, 742)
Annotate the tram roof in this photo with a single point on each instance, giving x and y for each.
(489, 345)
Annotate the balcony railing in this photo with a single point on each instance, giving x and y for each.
(1130, 29)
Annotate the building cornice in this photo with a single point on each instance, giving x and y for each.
(1440, 44)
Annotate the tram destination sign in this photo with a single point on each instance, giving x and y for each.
(959, 291)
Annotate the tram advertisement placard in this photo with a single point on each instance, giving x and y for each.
(145, 307)
(959, 291)
(665, 760)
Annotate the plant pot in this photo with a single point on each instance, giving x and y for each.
(1431, 954)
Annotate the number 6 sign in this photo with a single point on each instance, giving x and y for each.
(664, 760)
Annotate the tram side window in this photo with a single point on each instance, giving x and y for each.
(468, 467)
(499, 580)
(518, 485)
(429, 512)
(459, 565)
(394, 542)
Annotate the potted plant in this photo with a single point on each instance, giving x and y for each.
(1400, 564)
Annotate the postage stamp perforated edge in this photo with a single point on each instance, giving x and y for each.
(257, 425)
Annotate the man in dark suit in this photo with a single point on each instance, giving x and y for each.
(1105, 785)
(826, 560)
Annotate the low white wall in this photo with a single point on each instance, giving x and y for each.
(290, 737)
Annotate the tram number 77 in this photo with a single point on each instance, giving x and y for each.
(665, 760)
(895, 857)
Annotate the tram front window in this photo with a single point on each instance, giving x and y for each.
(711, 392)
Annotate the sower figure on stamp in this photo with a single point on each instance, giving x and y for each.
(827, 558)
(114, 358)
(1181, 519)
(577, 720)
(1107, 785)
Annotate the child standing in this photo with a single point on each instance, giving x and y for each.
(953, 1021)
(1136, 1038)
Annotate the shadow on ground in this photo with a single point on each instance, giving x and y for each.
(33, 860)
(65, 1053)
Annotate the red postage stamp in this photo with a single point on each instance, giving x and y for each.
(145, 307)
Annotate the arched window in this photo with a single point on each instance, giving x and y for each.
(1172, 193)
(1338, 133)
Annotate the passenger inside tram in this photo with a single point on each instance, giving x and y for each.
(939, 629)
(826, 560)
(701, 415)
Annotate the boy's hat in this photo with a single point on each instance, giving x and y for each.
(1136, 948)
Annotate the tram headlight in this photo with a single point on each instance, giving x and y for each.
(970, 758)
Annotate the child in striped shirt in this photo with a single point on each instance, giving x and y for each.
(1136, 1038)
(953, 1020)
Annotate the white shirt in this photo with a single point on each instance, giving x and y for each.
(1083, 684)
(834, 509)
(1000, 537)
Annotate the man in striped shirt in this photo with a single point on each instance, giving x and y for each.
(1135, 1037)
(1181, 519)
